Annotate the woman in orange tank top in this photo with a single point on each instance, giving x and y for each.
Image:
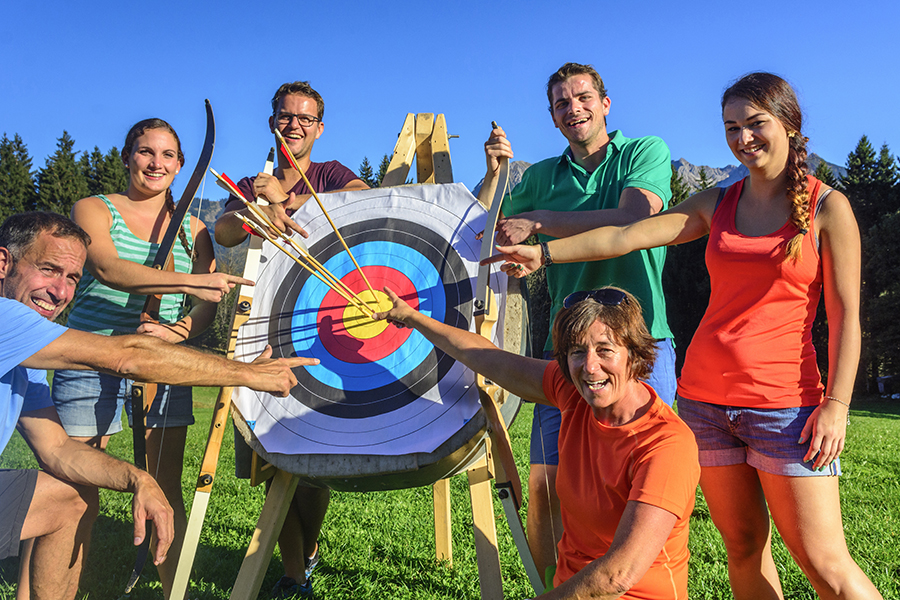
(769, 432)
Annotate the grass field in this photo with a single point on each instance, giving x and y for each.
(381, 545)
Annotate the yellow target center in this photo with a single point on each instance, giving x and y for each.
(359, 324)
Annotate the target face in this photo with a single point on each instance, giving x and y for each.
(378, 389)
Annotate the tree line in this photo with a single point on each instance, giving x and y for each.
(64, 179)
(871, 182)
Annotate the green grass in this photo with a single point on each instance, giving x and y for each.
(381, 544)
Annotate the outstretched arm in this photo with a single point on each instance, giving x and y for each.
(520, 375)
(230, 229)
(640, 536)
(104, 263)
(685, 222)
(73, 461)
(634, 205)
(146, 358)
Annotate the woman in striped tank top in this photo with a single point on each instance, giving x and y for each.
(125, 230)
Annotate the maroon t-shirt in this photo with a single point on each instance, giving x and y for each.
(324, 177)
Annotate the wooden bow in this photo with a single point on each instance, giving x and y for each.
(142, 394)
(507, 481)
(219, 419)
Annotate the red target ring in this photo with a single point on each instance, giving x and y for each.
(351, 339)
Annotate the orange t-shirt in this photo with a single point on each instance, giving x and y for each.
(651, 460)
(753, 347)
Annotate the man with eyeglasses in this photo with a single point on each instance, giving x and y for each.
(602, 178)
(297, 111)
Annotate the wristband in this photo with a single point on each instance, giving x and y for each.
(545, 249)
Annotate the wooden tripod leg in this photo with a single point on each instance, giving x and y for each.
(440, 151)
(485, 529)
(443, 536)
(424, 164)
(404, 152)
(259, 553)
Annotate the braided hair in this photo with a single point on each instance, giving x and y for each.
(774, 95)
(136, 131)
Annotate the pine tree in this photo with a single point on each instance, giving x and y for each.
(114, 176)
(858, 183)
(885, 178)
(685, 279)
(680, 190)
(383, 169)
(365, 172)
(825, 174)
(871, 186)
(89, 164)
(61, 182)
(881, 301)
(104, 173)
(703, 180)
(17, 193)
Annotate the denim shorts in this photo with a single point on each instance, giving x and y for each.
(90, 403)
(544, 449)
(16, 492)
(765, 439)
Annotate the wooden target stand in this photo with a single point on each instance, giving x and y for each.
(423, 137)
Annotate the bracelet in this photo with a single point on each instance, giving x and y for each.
(545, 251)
(838, 401)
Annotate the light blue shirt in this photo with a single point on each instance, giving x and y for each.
(23, 332)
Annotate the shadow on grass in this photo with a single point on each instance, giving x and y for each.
(9, 574)
(873, 406)
(409, 575)
(111, 560)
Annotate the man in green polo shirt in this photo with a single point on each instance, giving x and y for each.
(601, 179)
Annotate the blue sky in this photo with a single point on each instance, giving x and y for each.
(96, 68)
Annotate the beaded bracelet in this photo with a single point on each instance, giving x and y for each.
(838, 401)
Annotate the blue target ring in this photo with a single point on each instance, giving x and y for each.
(347, 389)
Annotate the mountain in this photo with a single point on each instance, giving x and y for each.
(228, 260)
(725, 176)
(516, 168)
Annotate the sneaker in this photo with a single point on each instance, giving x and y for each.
(311, 563)
(289, 588)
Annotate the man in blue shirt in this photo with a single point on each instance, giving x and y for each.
(41, 261)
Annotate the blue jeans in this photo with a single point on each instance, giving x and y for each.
(764, 438)
(90, 403)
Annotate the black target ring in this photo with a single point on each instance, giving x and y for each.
(408, 237)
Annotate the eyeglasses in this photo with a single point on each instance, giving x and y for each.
(304, 120)
(605, 296)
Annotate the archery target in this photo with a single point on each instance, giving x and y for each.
(378, 389)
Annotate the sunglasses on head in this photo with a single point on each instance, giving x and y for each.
(605, 296)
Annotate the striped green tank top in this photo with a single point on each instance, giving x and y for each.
(101, 309)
